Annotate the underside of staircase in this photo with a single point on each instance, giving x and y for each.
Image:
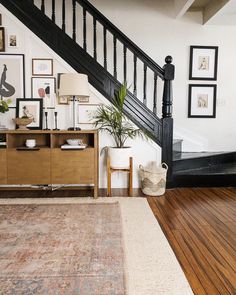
(185, 169)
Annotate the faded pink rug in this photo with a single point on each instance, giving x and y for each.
(61, 249)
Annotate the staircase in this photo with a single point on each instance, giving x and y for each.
(49, 19)
(41, 18)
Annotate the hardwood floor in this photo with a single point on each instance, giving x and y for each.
(200, 225)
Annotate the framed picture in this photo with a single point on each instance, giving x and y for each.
(202, 101)
(63, 99)
(0, 19)
(12, 41)
(43, 87)
(31, 108)
(12, 76)
(42, 67)
(85, 113)
(2, 40)
(203, 63)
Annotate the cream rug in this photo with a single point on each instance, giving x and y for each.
(151, 266)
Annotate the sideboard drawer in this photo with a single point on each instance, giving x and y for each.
(73, 167)
(29, 167)
(3, 166)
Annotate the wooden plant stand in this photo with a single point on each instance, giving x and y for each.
(110, 170)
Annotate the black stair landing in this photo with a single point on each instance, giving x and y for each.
(204, 169)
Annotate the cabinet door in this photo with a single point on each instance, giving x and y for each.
(3, 166)
(73, 167)
(29, 167)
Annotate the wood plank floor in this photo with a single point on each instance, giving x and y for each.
(200, 225)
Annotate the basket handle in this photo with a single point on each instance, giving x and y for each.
(164, 165)
(141, 167)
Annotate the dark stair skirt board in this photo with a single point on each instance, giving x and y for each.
(190, 161)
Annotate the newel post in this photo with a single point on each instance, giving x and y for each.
(167, 121)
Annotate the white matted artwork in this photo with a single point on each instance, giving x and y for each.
(30, 108)
(85, 113)
(44, 88)
(42, 67)
(12, 41)
(203, 62)
(202, 101)
(12, 77)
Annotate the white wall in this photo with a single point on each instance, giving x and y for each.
(30, 45)
(152, 26)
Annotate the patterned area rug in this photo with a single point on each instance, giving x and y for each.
(61, 249)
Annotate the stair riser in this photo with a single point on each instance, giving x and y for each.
(204, 181)
(187, 164)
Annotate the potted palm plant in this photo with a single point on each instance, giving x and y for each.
(111, 119)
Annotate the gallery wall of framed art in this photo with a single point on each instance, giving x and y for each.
(203, 66)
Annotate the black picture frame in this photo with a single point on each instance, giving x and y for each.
(34, 102)
(3, 41)
(202, 104)
(203, 63)
(18, 70)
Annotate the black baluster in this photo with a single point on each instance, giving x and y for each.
(95, 38)
(74, 19)
(169, 73)
(53, 11)
(135, 75)
(125, 63)
(63, 16)
(105, 46)
(43, 6)
(155, 95)
(145, 84)
(84, 29)
(115, 56)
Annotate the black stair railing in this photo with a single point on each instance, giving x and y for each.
(160, 129)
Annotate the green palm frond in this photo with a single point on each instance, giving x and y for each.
(112, 120)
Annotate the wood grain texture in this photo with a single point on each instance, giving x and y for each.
(73, 167)
(3, 166)
(28, 167)
(200, 225)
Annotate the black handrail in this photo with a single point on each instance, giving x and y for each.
(122, 38)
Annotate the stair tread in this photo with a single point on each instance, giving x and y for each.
(195, 155)
(220, 169)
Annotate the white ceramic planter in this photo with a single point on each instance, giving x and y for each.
(119, 157)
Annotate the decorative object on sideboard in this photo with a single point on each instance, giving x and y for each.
(55, 118)
(22, 122)
(2, 39)
(30, 143)
(12, 71)
(203, 63)
(112, 120)
(46, 121)
(75, 85)
(12, 41)
(42, 67)
(202, 101)
(31, 109)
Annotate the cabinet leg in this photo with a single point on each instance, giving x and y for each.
(108, 178)
(130, 176)
(95, 194)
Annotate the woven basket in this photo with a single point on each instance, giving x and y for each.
(153, 183)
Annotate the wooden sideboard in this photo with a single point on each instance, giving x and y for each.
(49, 165)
